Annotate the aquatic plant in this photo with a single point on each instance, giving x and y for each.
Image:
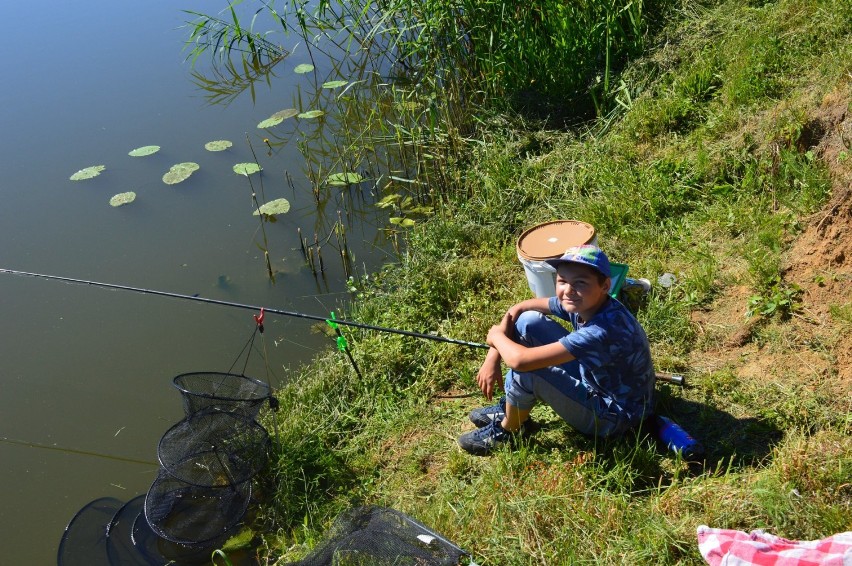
(87, 173)
(422, 70)
(277, 118)
(487, 51)
(144, 151)
(180, 172)
(247, 168)
(343, 179)
(217, 145)
(273, 207)
(122, 198)
(222, 37)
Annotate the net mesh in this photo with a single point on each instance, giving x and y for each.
(376, 536)
(120, 546)
(161, 552)
(212, 448)
(224, 391)
(194, 515)
(202, 490)
(207, 460)
(84, 540)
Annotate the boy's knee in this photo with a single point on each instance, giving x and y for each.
(529, 320)
(535, 329)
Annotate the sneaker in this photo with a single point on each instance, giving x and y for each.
(482, 441)
(484, 416)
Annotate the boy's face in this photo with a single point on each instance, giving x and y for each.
(579, 290)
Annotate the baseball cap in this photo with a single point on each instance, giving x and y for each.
(589, 255)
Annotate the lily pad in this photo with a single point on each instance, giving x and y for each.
(269, 122)
(273, 207)
(404, 222)
(87, 173)
(389, 200)
(247, 168)
(311, 114)
(180, 172)
(242, 539)
(303, 68)
(122, 198)
(144, 150)
(218, 145)
(287, 113)
(343, 179)
(334, 84)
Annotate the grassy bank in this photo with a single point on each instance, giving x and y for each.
(729, 166)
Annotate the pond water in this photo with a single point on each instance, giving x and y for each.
(86, 383)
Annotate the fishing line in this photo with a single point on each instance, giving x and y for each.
(76, 451)
(244, 306)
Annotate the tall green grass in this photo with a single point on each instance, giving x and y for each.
(499, 52)
(708, 174)
(484, 52)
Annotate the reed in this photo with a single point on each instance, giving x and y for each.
(261, 217)
(222, 38)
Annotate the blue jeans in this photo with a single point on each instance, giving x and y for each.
(559, 386)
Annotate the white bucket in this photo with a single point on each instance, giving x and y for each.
(549, 241)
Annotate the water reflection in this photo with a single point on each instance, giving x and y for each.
(87, 372)
(90, 370)
(353, 121)
(224, 82)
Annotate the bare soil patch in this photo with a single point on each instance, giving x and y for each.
(818, 348)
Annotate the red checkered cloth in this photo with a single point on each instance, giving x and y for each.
(723, 547)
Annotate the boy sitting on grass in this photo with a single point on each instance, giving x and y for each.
(599, 378)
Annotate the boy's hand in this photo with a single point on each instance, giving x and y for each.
(539, 304)
(506, 328)
(515, 311)
(488, 378)
(489, 374)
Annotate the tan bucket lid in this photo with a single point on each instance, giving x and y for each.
(551, 239)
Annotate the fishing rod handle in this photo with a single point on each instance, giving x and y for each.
(675, 378)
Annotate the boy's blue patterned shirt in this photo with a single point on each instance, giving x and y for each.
(615, 360)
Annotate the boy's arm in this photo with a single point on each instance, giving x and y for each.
(520, 357)
(490, 373)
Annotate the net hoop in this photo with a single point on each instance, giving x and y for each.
(226, 391)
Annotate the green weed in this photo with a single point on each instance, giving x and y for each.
(779, 299)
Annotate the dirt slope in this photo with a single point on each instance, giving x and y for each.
(817, 346)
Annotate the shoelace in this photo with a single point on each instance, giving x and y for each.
(489, 431)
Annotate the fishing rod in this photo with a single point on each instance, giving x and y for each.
(244, 306)
(670, 378)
